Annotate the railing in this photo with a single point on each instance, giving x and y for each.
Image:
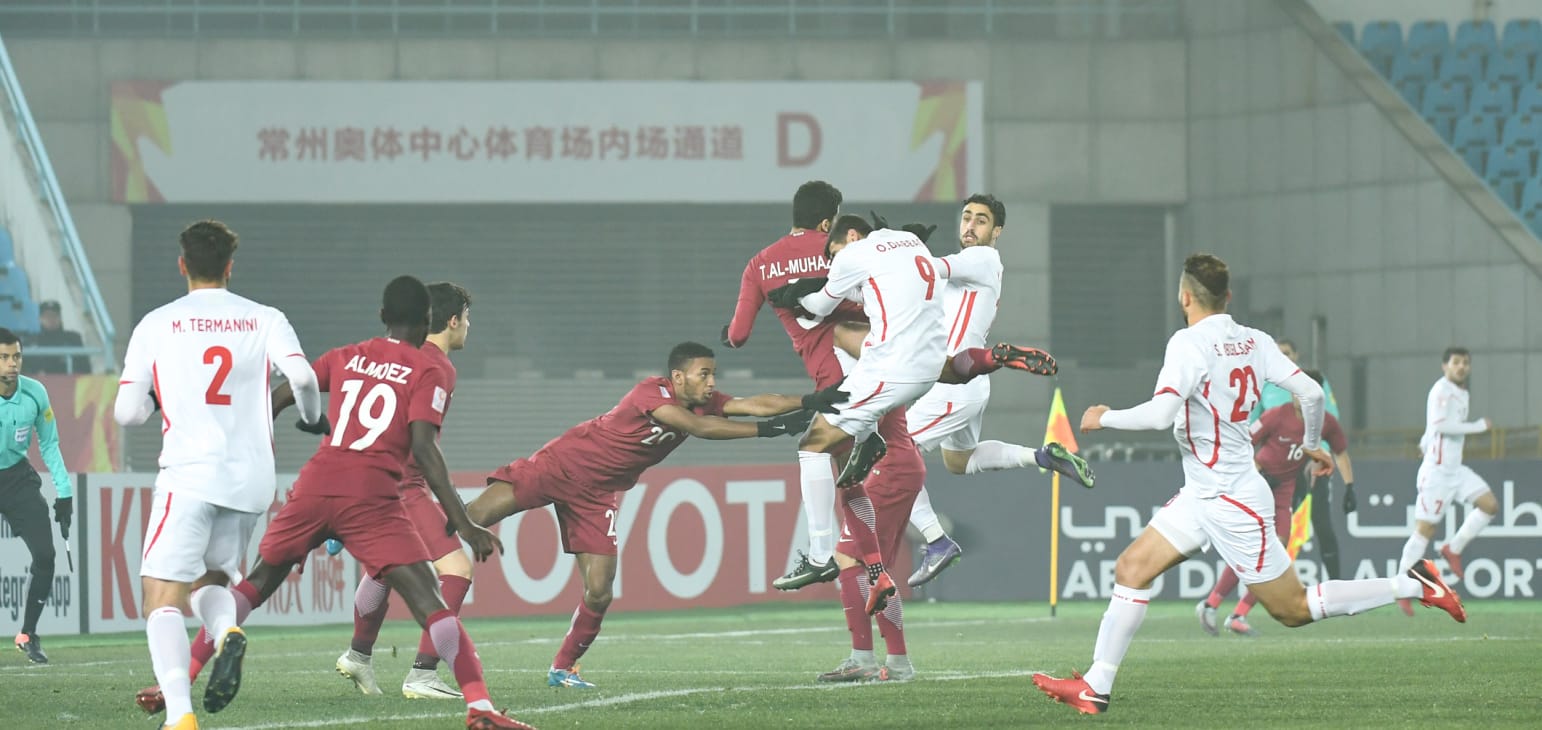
(53, 198)
(600, 18)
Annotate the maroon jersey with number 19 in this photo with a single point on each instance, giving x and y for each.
(1277, 441)
(609, 452)
(378, 387)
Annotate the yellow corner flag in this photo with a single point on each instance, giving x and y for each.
(1059, 428)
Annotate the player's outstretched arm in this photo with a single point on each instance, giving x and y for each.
(1154, 415)
(771, 404)
(430, 460)
(717, 428)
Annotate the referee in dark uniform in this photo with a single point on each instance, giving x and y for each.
(24, 415)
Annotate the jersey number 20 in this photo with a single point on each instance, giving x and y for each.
(374, 411)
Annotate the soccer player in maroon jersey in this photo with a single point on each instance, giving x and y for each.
(1277, 452)
(449, 325)
(392, 402)
(585, 470)
(892, 488)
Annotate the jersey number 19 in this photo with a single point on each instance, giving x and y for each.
(375, 411)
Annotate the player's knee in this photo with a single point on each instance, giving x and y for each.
(1130, 571)
(956, 462)
(1292, 615)
(1487, 503)
(597, 600)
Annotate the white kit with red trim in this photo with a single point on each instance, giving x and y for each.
(1446, 425)
(209, 356)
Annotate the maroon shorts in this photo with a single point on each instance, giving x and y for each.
(1284, 490)
(586, 515)
(428, 517)
(375, 530)
(892, 498)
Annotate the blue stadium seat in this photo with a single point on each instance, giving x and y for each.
(1430, 37)
(1412, 92)
(1509, 67)
(1508, 190)
(1382, 39)
(1531, 197)
(1476, 35)
(1523, 35)
(1524, 130)
(1347, 30)
(1476, 129)
(1464, 67)
(1494, 98)
(1412, 68)
(7, 246)
(1508, 163)
(1444, 99)
(29, 312)
(1530, 101)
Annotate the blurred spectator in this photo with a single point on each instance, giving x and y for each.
(51, 333)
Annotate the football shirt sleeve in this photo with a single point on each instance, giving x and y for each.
(284, 352)
(132, 405)
(973, 266)
(845, 277)
(750, 299)
(429, 397)
(1183, 368)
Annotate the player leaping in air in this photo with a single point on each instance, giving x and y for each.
(584, 471)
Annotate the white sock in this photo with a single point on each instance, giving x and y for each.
(1349, 597)
(1474, 524)
(215, 606)
(170, 656)
(865, 657)
(1125, 612)
(1413, 551)
(998, 455)
(817, 476)
(924, 518)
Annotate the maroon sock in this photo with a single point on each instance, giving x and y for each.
(973, 362)
(862, 524)
(854, 600)
(203, 644)
(891, 623)
(581, 633)
(1224, 585)
(370, 602)
(1246, 604)
(453, 588)
(453, 644)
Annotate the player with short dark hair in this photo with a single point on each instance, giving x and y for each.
(584, 471)
(390, 406)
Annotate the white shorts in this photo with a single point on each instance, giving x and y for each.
(953, 425)
(1440, 485)
(871, 398)
(1239, 525)
(187, 537)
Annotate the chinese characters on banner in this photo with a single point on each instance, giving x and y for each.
(501, 143)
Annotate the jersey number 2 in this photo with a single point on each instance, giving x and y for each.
(1242, 378)
(222, 355)
(375, 412)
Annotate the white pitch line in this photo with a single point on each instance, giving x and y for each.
(624, 699)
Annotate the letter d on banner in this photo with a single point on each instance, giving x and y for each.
(785, 121)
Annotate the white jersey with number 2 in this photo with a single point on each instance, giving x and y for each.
(209, 356)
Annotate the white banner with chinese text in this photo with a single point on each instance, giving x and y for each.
(481, 142)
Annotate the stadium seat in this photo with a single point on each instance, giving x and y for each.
(1444, 99)
(1412, 68)
(1508, 163)
(1524, 131)
(1347, 30)
(1412, 92)
(1473, 136)
(1475, 35)
(1531, 198)
(1382, 39)
(1507, 189)
(1492, 98)
(1509, 67)
(1466, 68)
(1523, 36)
(1530, 101)
(1429, 37)
(1443, 124)
(29, 313)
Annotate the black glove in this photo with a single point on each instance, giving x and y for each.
(155, 401)
(795, 422)
(877, 220)
(919, 230)
(724, 338)
(322, 427)
(64, 513)
(824, 401)
(1350, 503)
(787, 295)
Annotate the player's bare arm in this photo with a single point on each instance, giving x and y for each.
(715, 428)
(283, 397)
(430, 460)
(771, 404)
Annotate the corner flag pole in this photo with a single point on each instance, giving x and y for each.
(1054, 544)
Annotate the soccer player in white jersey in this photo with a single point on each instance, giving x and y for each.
(951, 415)
(204, 360)
(1442, 475)
(1211, 376)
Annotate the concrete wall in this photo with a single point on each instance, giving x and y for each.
(1322, 207)
(1067, 121)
